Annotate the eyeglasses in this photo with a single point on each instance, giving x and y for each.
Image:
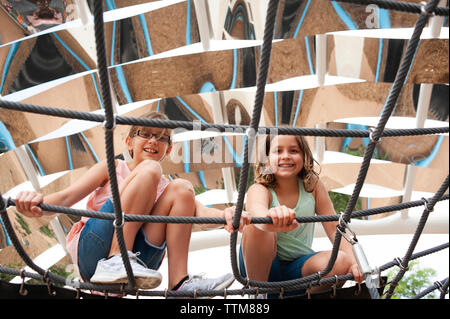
(148, 135)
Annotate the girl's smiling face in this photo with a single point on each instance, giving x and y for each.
(285, 156)
(149, 143)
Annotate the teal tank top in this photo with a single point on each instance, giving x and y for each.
(298, 242)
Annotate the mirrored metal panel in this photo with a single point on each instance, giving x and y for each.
(220, 70)
(117, 4)
(151, 33)
(42, 59)
(79, 93)
(244, 19)
(34, 16)
(379, 59)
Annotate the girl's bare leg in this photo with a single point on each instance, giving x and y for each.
(177, 200)
(320, 260)
(137, 196)
(259, 249)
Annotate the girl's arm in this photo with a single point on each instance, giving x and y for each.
(27, 201)
(258, 202)
(324, 206)
(227, 213)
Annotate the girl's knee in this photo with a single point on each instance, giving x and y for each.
(149, 168)
(183, 190)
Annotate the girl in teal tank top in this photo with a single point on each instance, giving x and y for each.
(286, 186)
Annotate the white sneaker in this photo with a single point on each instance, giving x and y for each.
(198, 282)
(112, 271)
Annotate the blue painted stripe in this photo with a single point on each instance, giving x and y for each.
(308, 54)
(297, 109)
(426, 161)
(380, 57)
(241, 14)
(235, 58)
(8, 240)
(90, 147)
(188, 23)
(191, 110)
(201, 175)
(207, 87)
(275, 104)
(384, 18)
(41, 170)
(84, 66)
(119, 70)
(158, 105)
(71, 52)
(11, 53)
(186, 157)
(148, 42)
(123, 83)
(301, 19)
(110, 4)
(6, 140)
(344, 16)
(69, 153)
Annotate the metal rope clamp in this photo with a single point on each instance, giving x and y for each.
(372, 276)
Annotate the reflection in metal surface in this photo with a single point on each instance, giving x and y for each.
(42, 59)
(79, 94)
(224, 70)
(151, 33)
(205, 86)
(244, 19)
(34, 16)
(379, 59)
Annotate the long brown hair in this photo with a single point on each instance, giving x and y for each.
(265, 177)
(151, 115)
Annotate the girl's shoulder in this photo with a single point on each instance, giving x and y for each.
(259, 190)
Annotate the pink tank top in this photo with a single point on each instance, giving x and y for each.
(96, 199)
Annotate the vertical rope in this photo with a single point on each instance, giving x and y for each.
(375, 136)
(256, 115)
(109, 125)
(423, 219)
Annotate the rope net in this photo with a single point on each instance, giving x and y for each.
(110, 120)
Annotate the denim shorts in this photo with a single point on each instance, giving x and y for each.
(95, 243)
(281, 271)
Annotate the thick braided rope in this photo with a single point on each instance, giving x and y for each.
(263, 71)
(405, 260)
(389, 108)
(219, 220)
(126, 120)
(441, 285)
(399, 6)
(109, 126)
(251, 291)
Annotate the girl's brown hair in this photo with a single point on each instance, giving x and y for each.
(265, 177)
(153, 116)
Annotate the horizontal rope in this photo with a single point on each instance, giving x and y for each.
(116, 288)
(126, 120)
(398, 6)
(219, 220)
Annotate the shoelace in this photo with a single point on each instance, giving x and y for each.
(134, 256)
